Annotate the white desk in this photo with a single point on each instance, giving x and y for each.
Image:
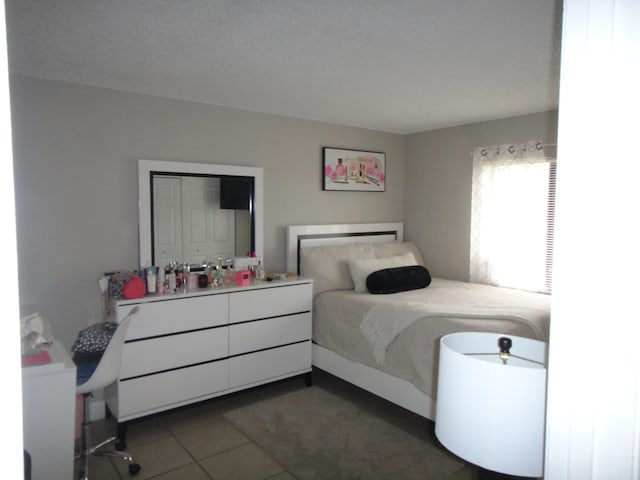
(48, 413)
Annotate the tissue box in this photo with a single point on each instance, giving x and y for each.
(243, 277)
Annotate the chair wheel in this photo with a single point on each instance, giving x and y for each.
(134, 468)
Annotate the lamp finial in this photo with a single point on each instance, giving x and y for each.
(505, 344)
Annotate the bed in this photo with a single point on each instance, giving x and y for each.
(388, 343)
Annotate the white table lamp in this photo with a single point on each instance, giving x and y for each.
(490, 405)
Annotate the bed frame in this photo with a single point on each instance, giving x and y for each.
(391, 388)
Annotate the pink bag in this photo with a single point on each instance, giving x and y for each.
(134, 288)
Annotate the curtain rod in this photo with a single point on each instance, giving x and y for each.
(512, 148)
(539, 145)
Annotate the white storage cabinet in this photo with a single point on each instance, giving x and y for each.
(184, 348)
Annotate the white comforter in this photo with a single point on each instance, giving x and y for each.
(399, 333)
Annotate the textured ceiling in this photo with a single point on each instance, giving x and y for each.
(398, 66)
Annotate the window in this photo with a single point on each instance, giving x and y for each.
(512, 216)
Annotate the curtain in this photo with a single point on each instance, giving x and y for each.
(511, 216)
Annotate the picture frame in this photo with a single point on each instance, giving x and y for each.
(345, 169)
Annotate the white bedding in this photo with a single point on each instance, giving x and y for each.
(408, 347)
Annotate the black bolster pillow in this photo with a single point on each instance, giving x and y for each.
(398, 279)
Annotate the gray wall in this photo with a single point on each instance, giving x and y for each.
(76, 151)
(438, 166)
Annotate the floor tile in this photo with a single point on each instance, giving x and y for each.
(190, 417)
(190, 472)
(100, 468)
(160, 456)
(145, 431)
(101, 430)
(247, 462)
(198, 443)
(210, 439)
(282, 476)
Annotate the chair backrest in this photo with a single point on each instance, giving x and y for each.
(109, 367)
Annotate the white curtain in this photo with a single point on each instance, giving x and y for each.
(510, 216)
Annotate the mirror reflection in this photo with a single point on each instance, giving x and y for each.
(198, 219)
(196, 212)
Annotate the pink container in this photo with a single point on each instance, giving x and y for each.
(243, 277)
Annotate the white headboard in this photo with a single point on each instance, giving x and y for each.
(312, 235)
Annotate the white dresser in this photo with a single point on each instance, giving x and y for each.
(184, 348)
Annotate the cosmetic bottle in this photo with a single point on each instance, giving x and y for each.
(193, 280)
(217, 276)
(228, 276)
(161, 282)
(260, 275)
(209, 272)
(171, 281)
(151, 279)
(185, 277)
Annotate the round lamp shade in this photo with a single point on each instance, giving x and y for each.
(489, 412)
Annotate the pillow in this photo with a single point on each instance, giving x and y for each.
(389, 249)
(398, 279)
(95, 338)
(361, 268)
(328, 266)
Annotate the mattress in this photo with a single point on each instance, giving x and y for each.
(444, 307)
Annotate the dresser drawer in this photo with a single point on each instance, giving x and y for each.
(271, 332)
(182, 349)
(259, 367)
(163, 353)
(175, 315)
(169, 389)
(269, 302)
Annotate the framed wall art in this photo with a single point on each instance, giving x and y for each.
(353, 170)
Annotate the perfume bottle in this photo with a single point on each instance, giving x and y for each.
(260, 274)
(171, 280)
(228, 272)
(185, 277)
(217, 273)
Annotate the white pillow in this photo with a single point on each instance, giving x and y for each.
(327, 265)
(390, 249)
(360, 269)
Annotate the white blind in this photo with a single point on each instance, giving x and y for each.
(513, 196)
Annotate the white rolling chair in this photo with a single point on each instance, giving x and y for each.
(104, 375)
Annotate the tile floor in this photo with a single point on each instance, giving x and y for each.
(197, 443)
